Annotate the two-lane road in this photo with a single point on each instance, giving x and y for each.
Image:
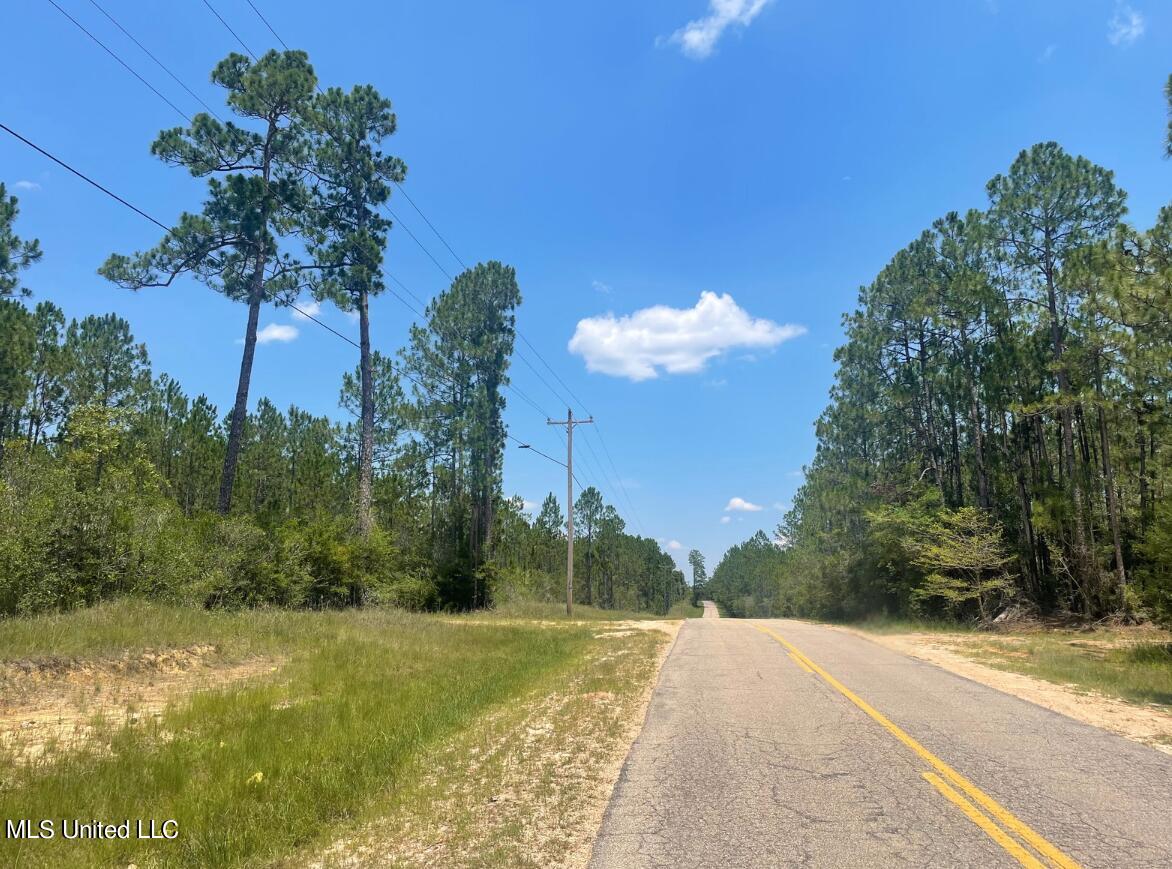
(778, 743)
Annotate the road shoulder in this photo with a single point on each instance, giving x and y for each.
(527, 785)
(1146, 725)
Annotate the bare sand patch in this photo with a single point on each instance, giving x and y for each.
(52, 704)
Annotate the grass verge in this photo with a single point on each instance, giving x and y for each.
(526, 784)
(258, 770)
(1128, 663)
(1117, 663)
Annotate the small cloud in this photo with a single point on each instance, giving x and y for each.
(697, 39)
(795, 475)
(277, 332)
(780, 505)
(639, 346)
(741, 505)
(1125, 27)
(724, 520)
(846, 178)
(716, 383)
(781, 541)
(600, 287)
(26, 185)
(307, 310)
(674, 544)
(352, 316)
(1047, 53)
(527, 505)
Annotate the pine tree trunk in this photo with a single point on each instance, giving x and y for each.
(1112, 501)
(1065, 414)
(366, 449)
(240, 408)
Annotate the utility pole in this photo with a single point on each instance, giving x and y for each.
(569, 422)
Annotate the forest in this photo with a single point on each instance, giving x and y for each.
(114, 481)
(996, 438)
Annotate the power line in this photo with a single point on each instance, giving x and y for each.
(171, 231)
(577, 400)
(83, 177)
(269, 26)
(393, 215)
(160, 64)
(228, 27)
(124, 64)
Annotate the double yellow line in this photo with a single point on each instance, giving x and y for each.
(951, 783)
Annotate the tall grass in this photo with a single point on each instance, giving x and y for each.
(254, 771)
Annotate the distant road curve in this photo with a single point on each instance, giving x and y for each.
(782, 743)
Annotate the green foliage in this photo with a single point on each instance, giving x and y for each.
(110, 474)
(997, 425)
(16, 254)
(961, 554)
(81, 528)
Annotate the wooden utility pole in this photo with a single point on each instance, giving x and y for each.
(569, 422)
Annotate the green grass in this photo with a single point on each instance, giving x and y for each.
(1110, 662)
(362, 694)
(683, 609)
(130, 625)
(513, 790)
(880, 624)
(1133, 664)
(528, 609)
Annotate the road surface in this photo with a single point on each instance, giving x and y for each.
(780, 743)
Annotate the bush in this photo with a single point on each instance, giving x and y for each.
(85, 526)
(89, 519)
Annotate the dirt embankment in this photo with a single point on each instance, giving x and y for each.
(1147, 724)
(50, 704)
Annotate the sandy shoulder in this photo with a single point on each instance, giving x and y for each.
(1144, 724)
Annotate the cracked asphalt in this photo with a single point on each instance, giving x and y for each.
(750, 756)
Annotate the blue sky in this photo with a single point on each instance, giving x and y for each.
(623, 157)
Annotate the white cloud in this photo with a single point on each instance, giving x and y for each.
(276, 332)
(674, 544)
(697, 39)
(600, 287)
(724, 520)
(1125, 26)
(1047, 54)
(780, 505)
(310, 309)
(26, 185)
(527, 505)
(677, 340)
(741, 505)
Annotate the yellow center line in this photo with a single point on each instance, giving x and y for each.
(800, 663)
(1012, 823)
(1024, 857)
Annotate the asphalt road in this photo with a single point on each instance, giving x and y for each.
(779, 743)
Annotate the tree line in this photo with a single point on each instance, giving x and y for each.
(114, 480)
(997, 425)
